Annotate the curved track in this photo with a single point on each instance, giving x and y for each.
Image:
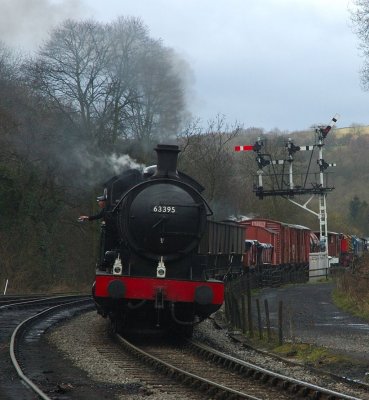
(221, 376)
(21, 322)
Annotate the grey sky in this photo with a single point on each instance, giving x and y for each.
(283, 64)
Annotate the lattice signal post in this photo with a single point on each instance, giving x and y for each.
(287, 188)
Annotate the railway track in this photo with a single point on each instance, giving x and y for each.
(190, 370)
(219, 375)
(21, 325)
(7, 300)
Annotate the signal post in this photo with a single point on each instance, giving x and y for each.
(288, 189)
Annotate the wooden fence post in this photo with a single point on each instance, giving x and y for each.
(226, 306)
(280, 323)
(266, 305)
(259, 319)
(249, 308)
(244, 316)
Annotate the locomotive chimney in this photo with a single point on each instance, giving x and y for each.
(167, 161)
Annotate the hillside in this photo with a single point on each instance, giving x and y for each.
(353, 130)
(339, 132)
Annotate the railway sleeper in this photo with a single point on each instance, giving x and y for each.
(194, 383)
(285, 385)
(274, 381)
(235, 367)
(157, 365)
(316, 395)
(264, 378)
(242, 369)
(221, 395)
(171, 373)
(218, 359)
(295, 388)
(211, 357)
(257, 375)
(229, 364)
(163, 369)
(212, 391)
(304, 391)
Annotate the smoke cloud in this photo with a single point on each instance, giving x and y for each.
(88, 169)
(24, 24)
(123, 162)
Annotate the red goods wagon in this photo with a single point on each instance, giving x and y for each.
(299, 244)
(250, 257)
(345, 244)
(257, 253)
(291, 243)
(266, 253)
(257, 231)
(314, 243)
(333, 243)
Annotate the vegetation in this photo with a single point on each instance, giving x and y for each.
(95, 100)
(352, 292)
(359, 18)
(69, 119)
(309, 354)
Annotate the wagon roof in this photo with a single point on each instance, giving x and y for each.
(329, 232)
(275, 222)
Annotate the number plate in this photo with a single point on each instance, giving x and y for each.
(164, 209)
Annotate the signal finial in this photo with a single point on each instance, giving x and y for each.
(324, 131)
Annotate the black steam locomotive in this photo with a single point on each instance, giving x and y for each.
(156, 249)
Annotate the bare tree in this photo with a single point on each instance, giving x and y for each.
(70, 69)
(157, 113)
(114, 81)
(360, 20)
(127, 39)
(208, 156)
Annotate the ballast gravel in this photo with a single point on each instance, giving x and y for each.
(80, 341)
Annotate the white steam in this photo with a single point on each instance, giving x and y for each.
(123, 162)
(24, 24)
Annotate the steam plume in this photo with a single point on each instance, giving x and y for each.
(119, 163)
(24, 23)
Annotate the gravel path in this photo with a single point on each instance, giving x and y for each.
(311, 317)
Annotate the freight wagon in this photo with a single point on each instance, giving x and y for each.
(291, 244)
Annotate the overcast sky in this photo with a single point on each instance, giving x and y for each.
(285, 64)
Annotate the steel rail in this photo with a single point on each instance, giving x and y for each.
(13, 343)
(44, 299)
(236, 362)
(175, 372)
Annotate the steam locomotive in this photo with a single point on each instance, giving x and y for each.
(156, 247)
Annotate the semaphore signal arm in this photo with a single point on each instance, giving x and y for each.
(283, 183)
